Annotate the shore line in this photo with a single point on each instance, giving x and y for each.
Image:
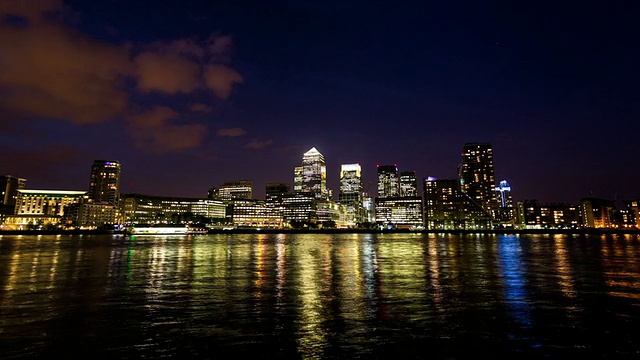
(347, 231)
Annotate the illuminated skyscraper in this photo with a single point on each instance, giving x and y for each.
(503, 192)
(476, 175)
(388, 181)
(408, 183)
(351, 189)
(505, 211)
(314, 173)
(105, 182)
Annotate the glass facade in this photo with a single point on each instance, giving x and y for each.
(388, 181)
(314, 174)
(351, 190)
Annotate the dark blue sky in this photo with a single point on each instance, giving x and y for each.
(189, 94)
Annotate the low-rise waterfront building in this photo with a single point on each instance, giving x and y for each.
(146, 209)
(399, 212)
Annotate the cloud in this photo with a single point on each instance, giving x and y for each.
(51, 72)
(231, 132)
(155, 131)
(219, 48)
(197, 107)
(167, 72)
(255, 144)
(41, 163)
(220, 79)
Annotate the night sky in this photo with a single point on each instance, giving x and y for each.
(189, 94)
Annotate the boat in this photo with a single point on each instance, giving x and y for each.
(159, 230)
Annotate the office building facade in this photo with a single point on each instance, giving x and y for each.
(388, 181)
(314, 174)
(351, 193)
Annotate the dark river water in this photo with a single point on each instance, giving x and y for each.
(305, 296)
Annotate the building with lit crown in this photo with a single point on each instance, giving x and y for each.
(314, 174)
(104, 185)
(505, 212)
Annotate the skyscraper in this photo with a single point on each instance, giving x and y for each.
(105, 181)
(351, 190)
(476, 175)
(505, 211)
(503, 192)
(408, 183)
(442, 204)
(388, 181)
(314, 173)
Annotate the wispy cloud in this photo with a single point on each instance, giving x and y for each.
(256, 144)
(231, 132)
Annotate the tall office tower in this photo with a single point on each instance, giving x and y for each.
(408, 184)
(297, 179)
(314, 174)
(351, 189)
(9, 186)
(105, 181)
(241, 189)
(388, 181)
(476, 175)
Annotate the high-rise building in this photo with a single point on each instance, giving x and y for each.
(314, 174)
(476, 175)
(442, 204)
(105, 182)
(408, 183)
(388, 181)
(505, 211)
(9, 186)
(241, 189)
(351, 191)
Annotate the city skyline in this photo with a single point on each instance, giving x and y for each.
(207, 92)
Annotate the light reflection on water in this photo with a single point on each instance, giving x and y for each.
(319, 296)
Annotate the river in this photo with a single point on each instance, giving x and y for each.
(319, 296)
